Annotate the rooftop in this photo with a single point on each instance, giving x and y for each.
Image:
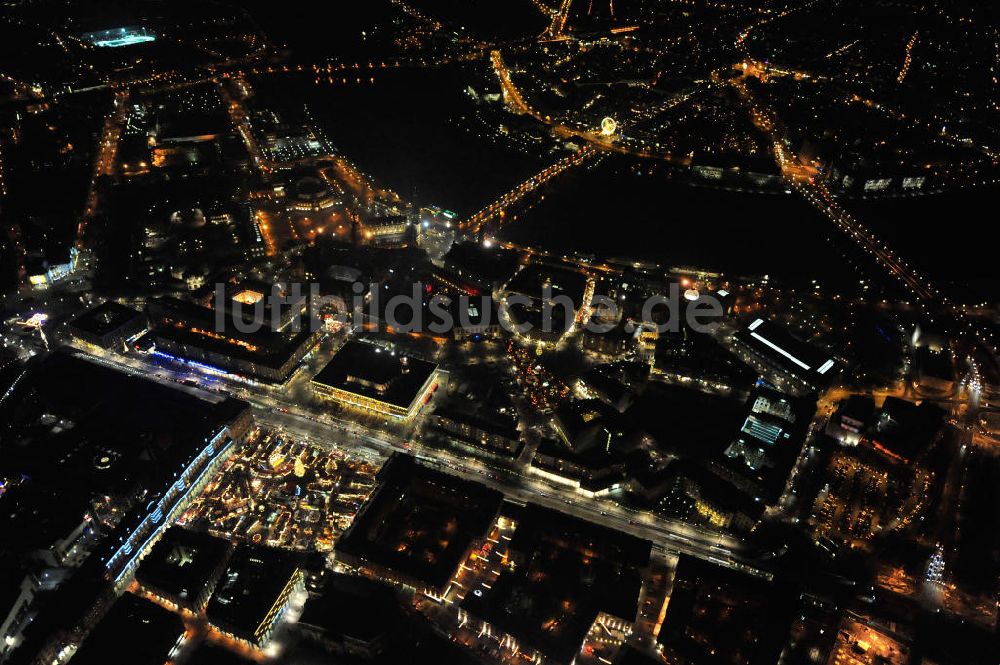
(592, 425)
(104, 318)
(182, 563)
(566, 571)
(685, 420)
(420, 522)
(353, 607)
(700, 356)
(195, 326)
(533, 279)
(484, 265)
(39, 516)
(629, 655)
(372, 371)
(788, 351)
(716, 615)
(133, 626)
(103, 431)
(481, 421)
(249, 588)
(905, 429)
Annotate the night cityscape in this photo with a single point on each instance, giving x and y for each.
(561, 332)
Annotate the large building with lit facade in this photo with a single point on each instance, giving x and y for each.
(254, 593)
(187, 333)
(479, 433)
(43, 273)
(593, 472)
(311, 195)
(107, 459)
(122, 555)
(388, 231)
(370, 378)
(773, 346)
(109, 326)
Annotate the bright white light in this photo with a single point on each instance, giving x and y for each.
(780, 350)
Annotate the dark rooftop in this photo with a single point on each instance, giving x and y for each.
(472, 312)
(182, 563)
(40, 516)
(248, 589)
(190, 324)
(371, 371)
(905, 429)
(532, 280)
(482, 421)
(591, 423)
(420, 522)
(789, 352)
(102, 430)
(486, 266)
(700, 356)
(857, 407)
(353, 607)
(935, 364)
(629, 655)
(566, 572)
(719, 616)
(144, 631)
(693, 423)
(104, 318)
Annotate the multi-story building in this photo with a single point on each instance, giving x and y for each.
(187, 332)
(373, 379)
(480, 433)
(109, 325)
(254, 593)
(777, 349)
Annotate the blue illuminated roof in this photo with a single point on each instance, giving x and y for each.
(118, 37)
(762, 430)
